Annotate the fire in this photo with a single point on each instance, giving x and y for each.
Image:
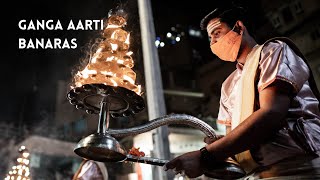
(112, 62)
(136, 152)
(127, 39)
(21, 170)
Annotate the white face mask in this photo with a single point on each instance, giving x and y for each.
(227, 48)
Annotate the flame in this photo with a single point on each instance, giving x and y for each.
(78, 84)
(127, 41)
(25, 155)
(120, 61)
(113, 35)
(109, 63)
(94, 59)
(107, 73)
(112, 26)
(114, 82)
(110, 58)
(114, 47)
(86, 72)
(129, 79)
(99, 50)
(139, 89)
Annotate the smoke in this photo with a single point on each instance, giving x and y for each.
(87, 52)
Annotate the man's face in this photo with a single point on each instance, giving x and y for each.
(216, 30)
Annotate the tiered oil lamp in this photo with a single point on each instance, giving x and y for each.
(21, 170)
(106, 86)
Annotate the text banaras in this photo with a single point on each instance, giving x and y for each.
(54, 25)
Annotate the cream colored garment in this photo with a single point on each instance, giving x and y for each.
(277, 62)
(244, 104)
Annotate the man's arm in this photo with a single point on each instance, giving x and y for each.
(258, 127)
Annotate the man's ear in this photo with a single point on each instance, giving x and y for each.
(239, 27)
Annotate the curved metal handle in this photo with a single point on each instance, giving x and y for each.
(165, 120)
(225, 170)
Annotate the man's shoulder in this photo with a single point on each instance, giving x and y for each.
(274, 43)
(279, 43)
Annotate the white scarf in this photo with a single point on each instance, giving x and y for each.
(244, 102)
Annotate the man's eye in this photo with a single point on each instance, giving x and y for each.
(216, 33)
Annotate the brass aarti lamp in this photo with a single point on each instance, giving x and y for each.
(106, 86)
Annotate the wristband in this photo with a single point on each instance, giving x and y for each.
(206, 157)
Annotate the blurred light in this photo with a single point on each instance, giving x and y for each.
(191, 32)
(173, 29)
(157, 43)
(173, 42)
(158, 38)
(26, 161)
(162, 44)
(177, 39)
(195, 33)
(169, 35)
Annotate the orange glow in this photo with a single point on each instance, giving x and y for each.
(112, 62)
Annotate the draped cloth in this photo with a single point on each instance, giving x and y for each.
(279, 59)
(244, 102)
(91, 170)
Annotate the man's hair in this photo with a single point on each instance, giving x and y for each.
(229, 16)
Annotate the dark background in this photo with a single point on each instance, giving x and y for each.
(35, 82)
(29, 76)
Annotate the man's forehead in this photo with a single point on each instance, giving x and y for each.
(213, 24)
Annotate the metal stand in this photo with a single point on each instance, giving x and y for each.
(102, 146)
(107, 100)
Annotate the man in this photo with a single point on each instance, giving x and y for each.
(269, 105)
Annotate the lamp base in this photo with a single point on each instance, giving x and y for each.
(123, 102)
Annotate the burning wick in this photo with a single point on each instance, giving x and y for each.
(112, 63)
